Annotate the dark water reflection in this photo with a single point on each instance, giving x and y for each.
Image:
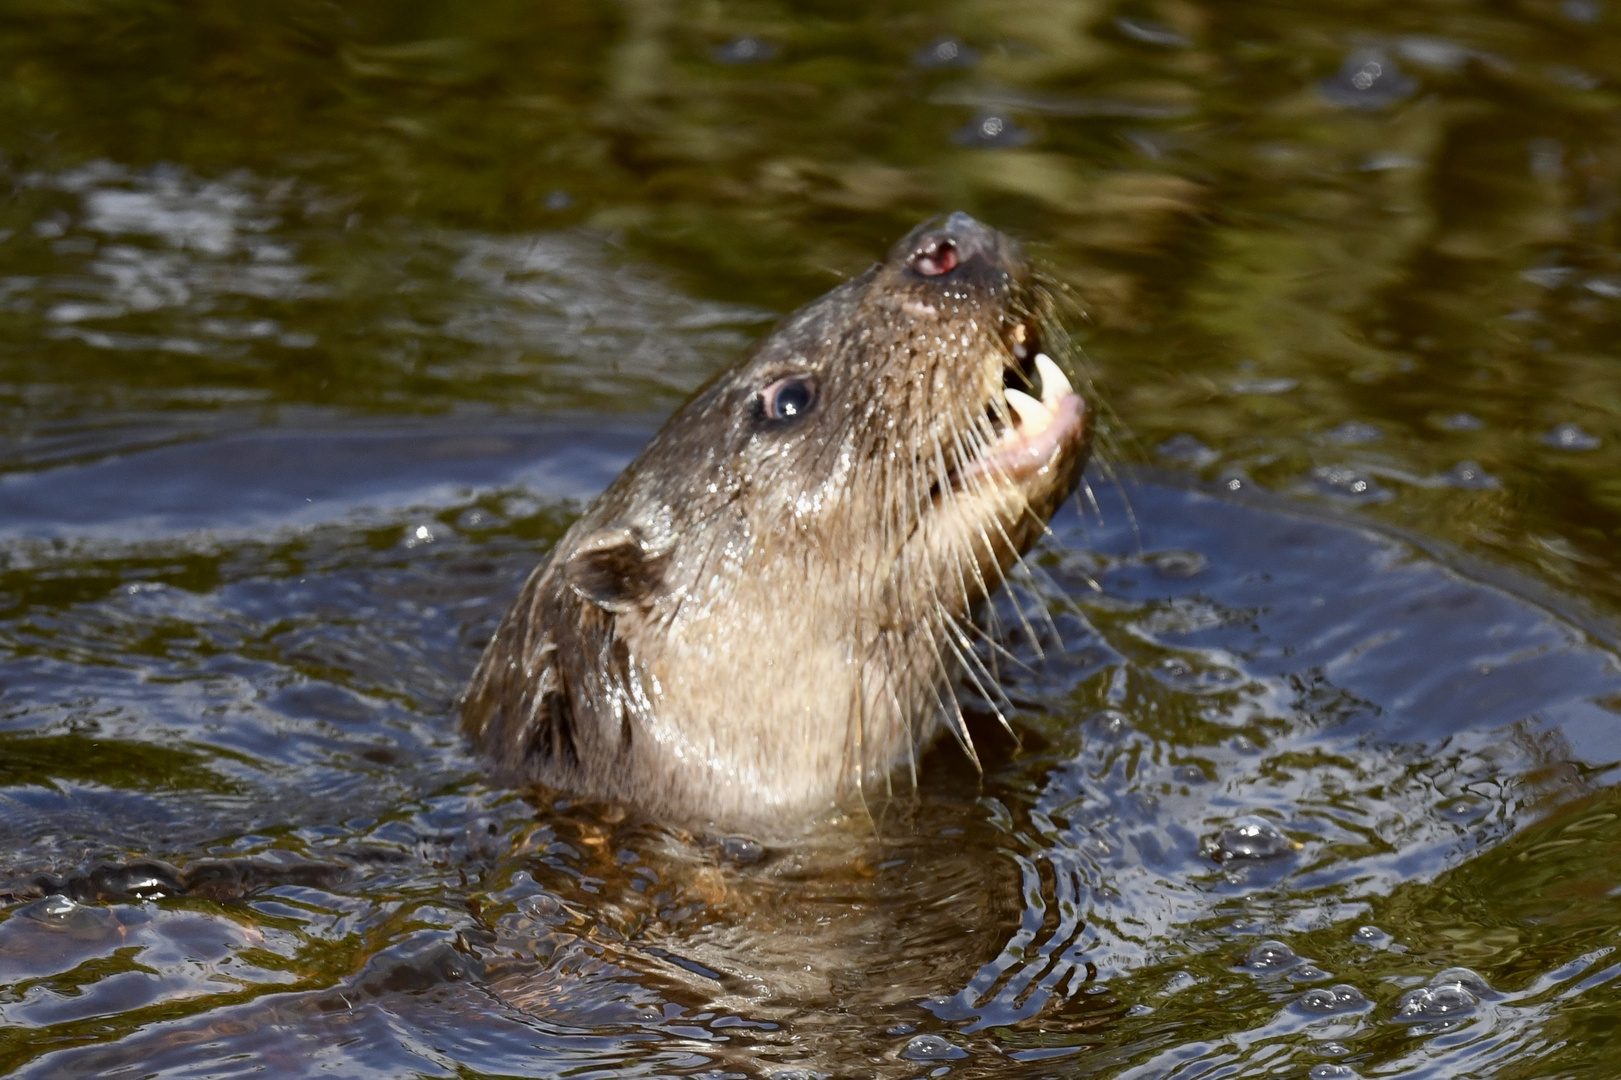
(318, 323)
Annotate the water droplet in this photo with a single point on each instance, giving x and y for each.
(1271, 956)
(992, 130)
(1251, 838)
(1368, 79)
(932, 1048)
(945, 52)
(745, 49)
(1572, 437)
(1332, 1000)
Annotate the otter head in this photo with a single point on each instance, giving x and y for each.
(764, 614)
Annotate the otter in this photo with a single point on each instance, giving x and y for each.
(767, 612)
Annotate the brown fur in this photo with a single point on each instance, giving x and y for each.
(759, 618)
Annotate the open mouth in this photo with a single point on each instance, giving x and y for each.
(1042, 416)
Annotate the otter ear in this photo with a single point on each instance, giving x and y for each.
(613, 569)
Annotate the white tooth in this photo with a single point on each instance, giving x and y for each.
(1053, 383)
(1032, 414)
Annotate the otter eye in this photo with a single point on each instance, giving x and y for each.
(937, 256)
(788, 399)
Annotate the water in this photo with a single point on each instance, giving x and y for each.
(317, 325)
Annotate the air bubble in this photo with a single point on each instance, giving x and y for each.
(992, 130)
(1347, 482)
(82, 922)
(1353, 433)
(742, 850)
(745, 50)
(1464, 809)
(1371, 936)
(945, 52)
(1187, 448)
(932, 1048)
(1368, 79)
(1452, 994)
(1109, 724)
(1330, 1071)
(475, 518)
(1464, 977)
(1332, 1000)
(1470, 476)
(1572, 437)
(1252, 839)
(1152, 33)
(56, 908)
(1435, 1003)
(1271, 956)
(1179, 564)
(543, 907)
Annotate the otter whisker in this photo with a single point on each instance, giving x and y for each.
(959, 726)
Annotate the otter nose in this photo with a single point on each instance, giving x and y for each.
(956, 241)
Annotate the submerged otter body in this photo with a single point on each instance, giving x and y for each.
(765, 613)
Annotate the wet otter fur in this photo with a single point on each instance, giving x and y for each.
(767, 612)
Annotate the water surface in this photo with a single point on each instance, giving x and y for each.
(318, 325)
